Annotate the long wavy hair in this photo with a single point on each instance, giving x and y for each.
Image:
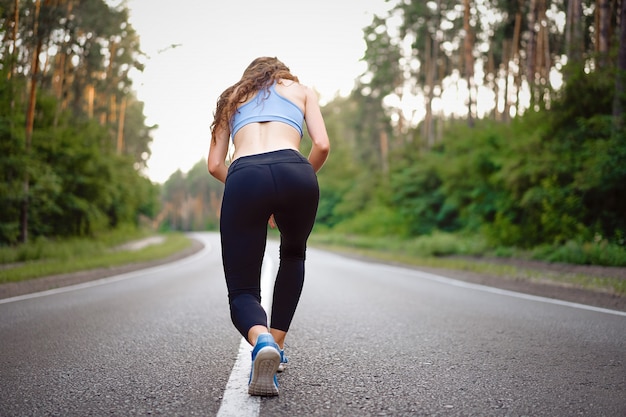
(259, 75)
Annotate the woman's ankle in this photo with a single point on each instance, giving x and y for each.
(254, 333)
(279, 337)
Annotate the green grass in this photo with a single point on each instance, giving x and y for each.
(454, 252)
(45, 258)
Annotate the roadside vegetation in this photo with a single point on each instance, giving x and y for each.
(44, 257)
(440, 250)
(471, 254)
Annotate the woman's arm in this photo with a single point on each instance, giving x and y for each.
(217, 155)
(317, 130)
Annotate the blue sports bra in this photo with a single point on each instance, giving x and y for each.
(267, 107)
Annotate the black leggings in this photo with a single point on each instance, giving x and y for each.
(282, 183)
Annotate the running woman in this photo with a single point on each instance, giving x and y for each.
(268, 180)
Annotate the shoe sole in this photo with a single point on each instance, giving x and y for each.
(265, 366)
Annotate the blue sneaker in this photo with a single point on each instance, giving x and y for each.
(283, 361)
(265, 361)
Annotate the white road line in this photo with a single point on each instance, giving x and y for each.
(236, 402)
(493, 290)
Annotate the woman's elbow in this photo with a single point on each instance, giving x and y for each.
(214, 167)
(324, 148)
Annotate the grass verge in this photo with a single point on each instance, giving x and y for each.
(441, 251)
(82, 254)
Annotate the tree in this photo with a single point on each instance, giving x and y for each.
(433, 28)
(383, 78)
(552, 174)
(619, 97)
(58, 91)
(574, 31)
(603, 25)
(468, 49)
(30, 117)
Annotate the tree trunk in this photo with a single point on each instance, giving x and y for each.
(469, 61)
(531, 49)
(531, 46)
(517, 79)
(491, 78)
(384, 151)
(60, 81)
(603, 19)
(120, 127)
(91, 94)
(620, 78)
(30, 120)
(432, 134)
(428, 117)
(16, 20)
(573, 31)
(543, 60)
(13, 58)
(506, 59)
(432, 58)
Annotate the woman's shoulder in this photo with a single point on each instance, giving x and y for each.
(295, 87)
(290, 84)
(292, 90)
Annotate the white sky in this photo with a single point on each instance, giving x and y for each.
(321, 41)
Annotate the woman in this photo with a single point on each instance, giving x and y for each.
(268, 180)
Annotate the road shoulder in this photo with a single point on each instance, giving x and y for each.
(548, 289)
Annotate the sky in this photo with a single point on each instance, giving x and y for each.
(197, 48)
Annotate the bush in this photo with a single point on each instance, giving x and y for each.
(446, 244)
(374, 221)
(599, 252)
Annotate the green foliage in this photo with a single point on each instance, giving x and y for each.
(346, 183)
(446, 244)
(563, 173)
(469, 162)
(453, 186)
(415, 193)
(437, 244)
(71, 179)
(596, 252)
(43, 257)
(545, 180)
(77, 188)
(375, 220)
(43, 248)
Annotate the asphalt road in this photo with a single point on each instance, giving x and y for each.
(368, 340)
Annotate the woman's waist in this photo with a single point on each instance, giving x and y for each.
(279, 156)
(254, 146)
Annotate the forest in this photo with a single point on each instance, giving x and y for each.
(73, 137)
(498, 119)
(502, 119)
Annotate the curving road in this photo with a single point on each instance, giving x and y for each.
(368, 340)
